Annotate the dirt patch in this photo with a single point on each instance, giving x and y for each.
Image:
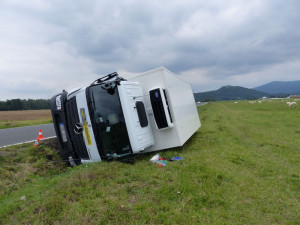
(51, 143)
(25, 115)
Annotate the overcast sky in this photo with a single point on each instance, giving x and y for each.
(47, 46)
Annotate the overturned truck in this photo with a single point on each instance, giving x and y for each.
(114, 118)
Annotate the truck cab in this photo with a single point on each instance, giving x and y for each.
(104, 121)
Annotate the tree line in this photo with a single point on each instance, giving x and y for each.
(23, 104)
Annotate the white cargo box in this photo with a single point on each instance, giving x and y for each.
(182, 118)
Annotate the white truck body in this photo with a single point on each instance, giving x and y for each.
(182, 107)
(151, 111)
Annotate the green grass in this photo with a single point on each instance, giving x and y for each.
(4, 124)
(240, 167)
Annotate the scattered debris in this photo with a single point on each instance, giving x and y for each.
(36, 143)
(162, 164)
(71, 160)
(23, 198)
(158, 160)
(175, 159)
(154, 158)
(162, 161)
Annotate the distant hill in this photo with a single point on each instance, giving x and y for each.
(275, 87)
(229, 93)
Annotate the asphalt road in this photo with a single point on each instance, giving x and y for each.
(20, 135)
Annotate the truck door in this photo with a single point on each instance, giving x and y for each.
(137, 121)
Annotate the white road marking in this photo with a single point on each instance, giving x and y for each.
(27, 142)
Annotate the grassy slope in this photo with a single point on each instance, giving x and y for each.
(241, 167)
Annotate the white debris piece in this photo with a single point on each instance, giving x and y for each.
(23, 198)
(235, 102)
(155, 158)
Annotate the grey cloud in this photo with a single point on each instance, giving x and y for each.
(120, 34)
(222, 39)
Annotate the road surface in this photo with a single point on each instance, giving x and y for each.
(20, 135)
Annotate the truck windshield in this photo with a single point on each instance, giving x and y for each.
(108, 122)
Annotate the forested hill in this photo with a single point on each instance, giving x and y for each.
(275, 87)
(229, 93)
(23, 104)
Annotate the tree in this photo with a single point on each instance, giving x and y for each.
(18, 104)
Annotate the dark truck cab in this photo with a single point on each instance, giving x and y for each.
(90, 123)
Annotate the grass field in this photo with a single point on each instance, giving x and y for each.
(9, 119)
(241, 167)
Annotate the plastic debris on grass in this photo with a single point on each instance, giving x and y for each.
(175, 159)
(162, 161)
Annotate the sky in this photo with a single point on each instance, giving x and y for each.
(48, 46)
